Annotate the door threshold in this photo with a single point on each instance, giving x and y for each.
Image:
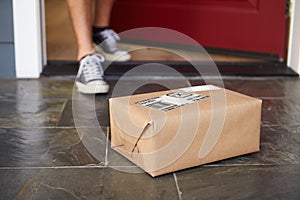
(247, 69)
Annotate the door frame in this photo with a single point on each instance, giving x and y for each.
(293, 59)
(30, 37)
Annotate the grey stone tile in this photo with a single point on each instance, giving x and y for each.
(271, 88)
(44, 147)
(281, 105)
(80, 169)
(36, 88)
(89, 111)
(34, 112)
(259, 87)
(281, 112)
(128, 86)
(86, 183)
(119, 162)
(66, 118)
(240, 182)
(278, 145)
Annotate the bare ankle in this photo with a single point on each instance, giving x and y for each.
(81, 54)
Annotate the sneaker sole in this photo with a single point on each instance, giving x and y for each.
(82, 88)
(110, 57)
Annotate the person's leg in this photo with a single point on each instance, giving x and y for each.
(90, 76)
(81, 16)
(103, 36)
(102, 12)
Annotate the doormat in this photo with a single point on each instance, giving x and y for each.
(247, 69)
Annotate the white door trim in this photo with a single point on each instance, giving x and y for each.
(28, 38)
(294, 37)
(43, 29)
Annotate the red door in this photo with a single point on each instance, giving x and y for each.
(244, 25)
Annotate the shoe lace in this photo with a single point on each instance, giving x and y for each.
(91, 67)
(111, 38)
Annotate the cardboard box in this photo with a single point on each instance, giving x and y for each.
(162, 132)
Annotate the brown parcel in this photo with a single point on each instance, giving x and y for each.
(162, 132)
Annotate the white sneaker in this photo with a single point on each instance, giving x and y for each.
(106, 43)
(89, 78)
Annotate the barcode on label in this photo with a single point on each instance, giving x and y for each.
(171, 101)
(162, 105)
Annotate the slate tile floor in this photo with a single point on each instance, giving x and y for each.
(44, 156)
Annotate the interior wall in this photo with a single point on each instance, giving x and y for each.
(7, 55)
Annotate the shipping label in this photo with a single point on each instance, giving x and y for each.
(171, 101)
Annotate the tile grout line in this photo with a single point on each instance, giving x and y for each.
(66, 167)
(58, 167)
(278, 125)
(61, 112)
(237, 165)
(121, 166)
(177, 187)
(72, 127)
(273, 98)
(189, 83)
(50, 127)
(106, 150)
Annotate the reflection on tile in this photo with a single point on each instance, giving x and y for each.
(243, 182)
(51, 147)
(281, 112)
(279, 145)
(91, 183)
(128, 86)
(23, 112)
(261, 88)
(270, 88)
(43, 88)
(87, 112)
(92, 110)
(43, 155)
(66, 118)
(275, 111)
